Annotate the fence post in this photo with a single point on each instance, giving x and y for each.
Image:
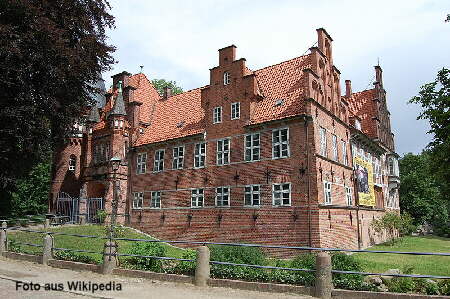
(47, 251)
(3, 245)
(109, 257)
(202, 268)
(324, 283)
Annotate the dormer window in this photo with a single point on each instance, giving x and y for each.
(357, 124)
(226, 78)
(116, 123)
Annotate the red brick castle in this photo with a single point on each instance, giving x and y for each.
(275, 156)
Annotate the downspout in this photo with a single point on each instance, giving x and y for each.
(308, 183)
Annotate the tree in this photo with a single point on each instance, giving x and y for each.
(31, 196)
(51, 52)
(434, 98)
(159, 84)
(420, 191)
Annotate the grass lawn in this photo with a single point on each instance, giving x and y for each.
(90, 244)
(432, 265)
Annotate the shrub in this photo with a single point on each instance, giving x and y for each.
(148, 249)
(119, 230)
(425, 286)
(392, 222)
(344, 262)
(304, 261)
(14, 246)
(238, 255)
(75, 257)
(401, 284)
(444, 287)
(185, 267)
(101, 216)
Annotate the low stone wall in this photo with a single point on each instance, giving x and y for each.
(227, 283)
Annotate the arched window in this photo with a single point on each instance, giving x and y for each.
(72, 162)
(226, 78)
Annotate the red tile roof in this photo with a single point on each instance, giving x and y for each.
(361, 104)
(179, 116)
(182, 115)
(283, 81)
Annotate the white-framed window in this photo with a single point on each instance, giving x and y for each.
(72, 162)
(138, 199)
(116, 123)
(358, 124)
(226, 78)
(391, 166)
(252, 195)
(155, 201)
(178, 157)
(199, 155)
(344, 153)
(348, 195)
(217, 115)
(323, 141)
(235, 110)
(223, 151)
(158, 164)
(280, 143)
(327, 192)
(197, 198)
(252, 147)
(335, 147)
(281, 194)
(222, 196)
(141, 163)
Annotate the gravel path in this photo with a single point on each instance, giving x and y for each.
(12, 271)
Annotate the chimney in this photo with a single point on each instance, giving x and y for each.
(227, 55)
(167, 92)
(348, 88)
(379, 75)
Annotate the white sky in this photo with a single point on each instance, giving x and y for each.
(178, 40)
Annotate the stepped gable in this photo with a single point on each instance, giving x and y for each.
(361, 105)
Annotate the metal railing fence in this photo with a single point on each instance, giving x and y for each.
(204, 243)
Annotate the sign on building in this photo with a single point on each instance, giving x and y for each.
(364, 178)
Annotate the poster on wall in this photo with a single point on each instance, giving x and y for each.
(364, 178)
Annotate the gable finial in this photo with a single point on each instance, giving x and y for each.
(142, 68)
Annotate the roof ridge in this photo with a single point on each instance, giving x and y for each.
(272, 65)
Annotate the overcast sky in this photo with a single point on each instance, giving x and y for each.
(178, 40)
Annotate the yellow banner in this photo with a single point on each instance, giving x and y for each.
(364, 178)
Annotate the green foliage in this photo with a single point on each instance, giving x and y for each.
(344, 262)
(434, 98)
(444, 287)
(159, 85)
(304, 261)
(74, 257)
(31, 195)
(147, 249)
(238, 255)
(185, 267)
(421, 192)
(425, 286)
(401, 284)
(101, 216)
(392, 222)
(119, 230)
(57, 50)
